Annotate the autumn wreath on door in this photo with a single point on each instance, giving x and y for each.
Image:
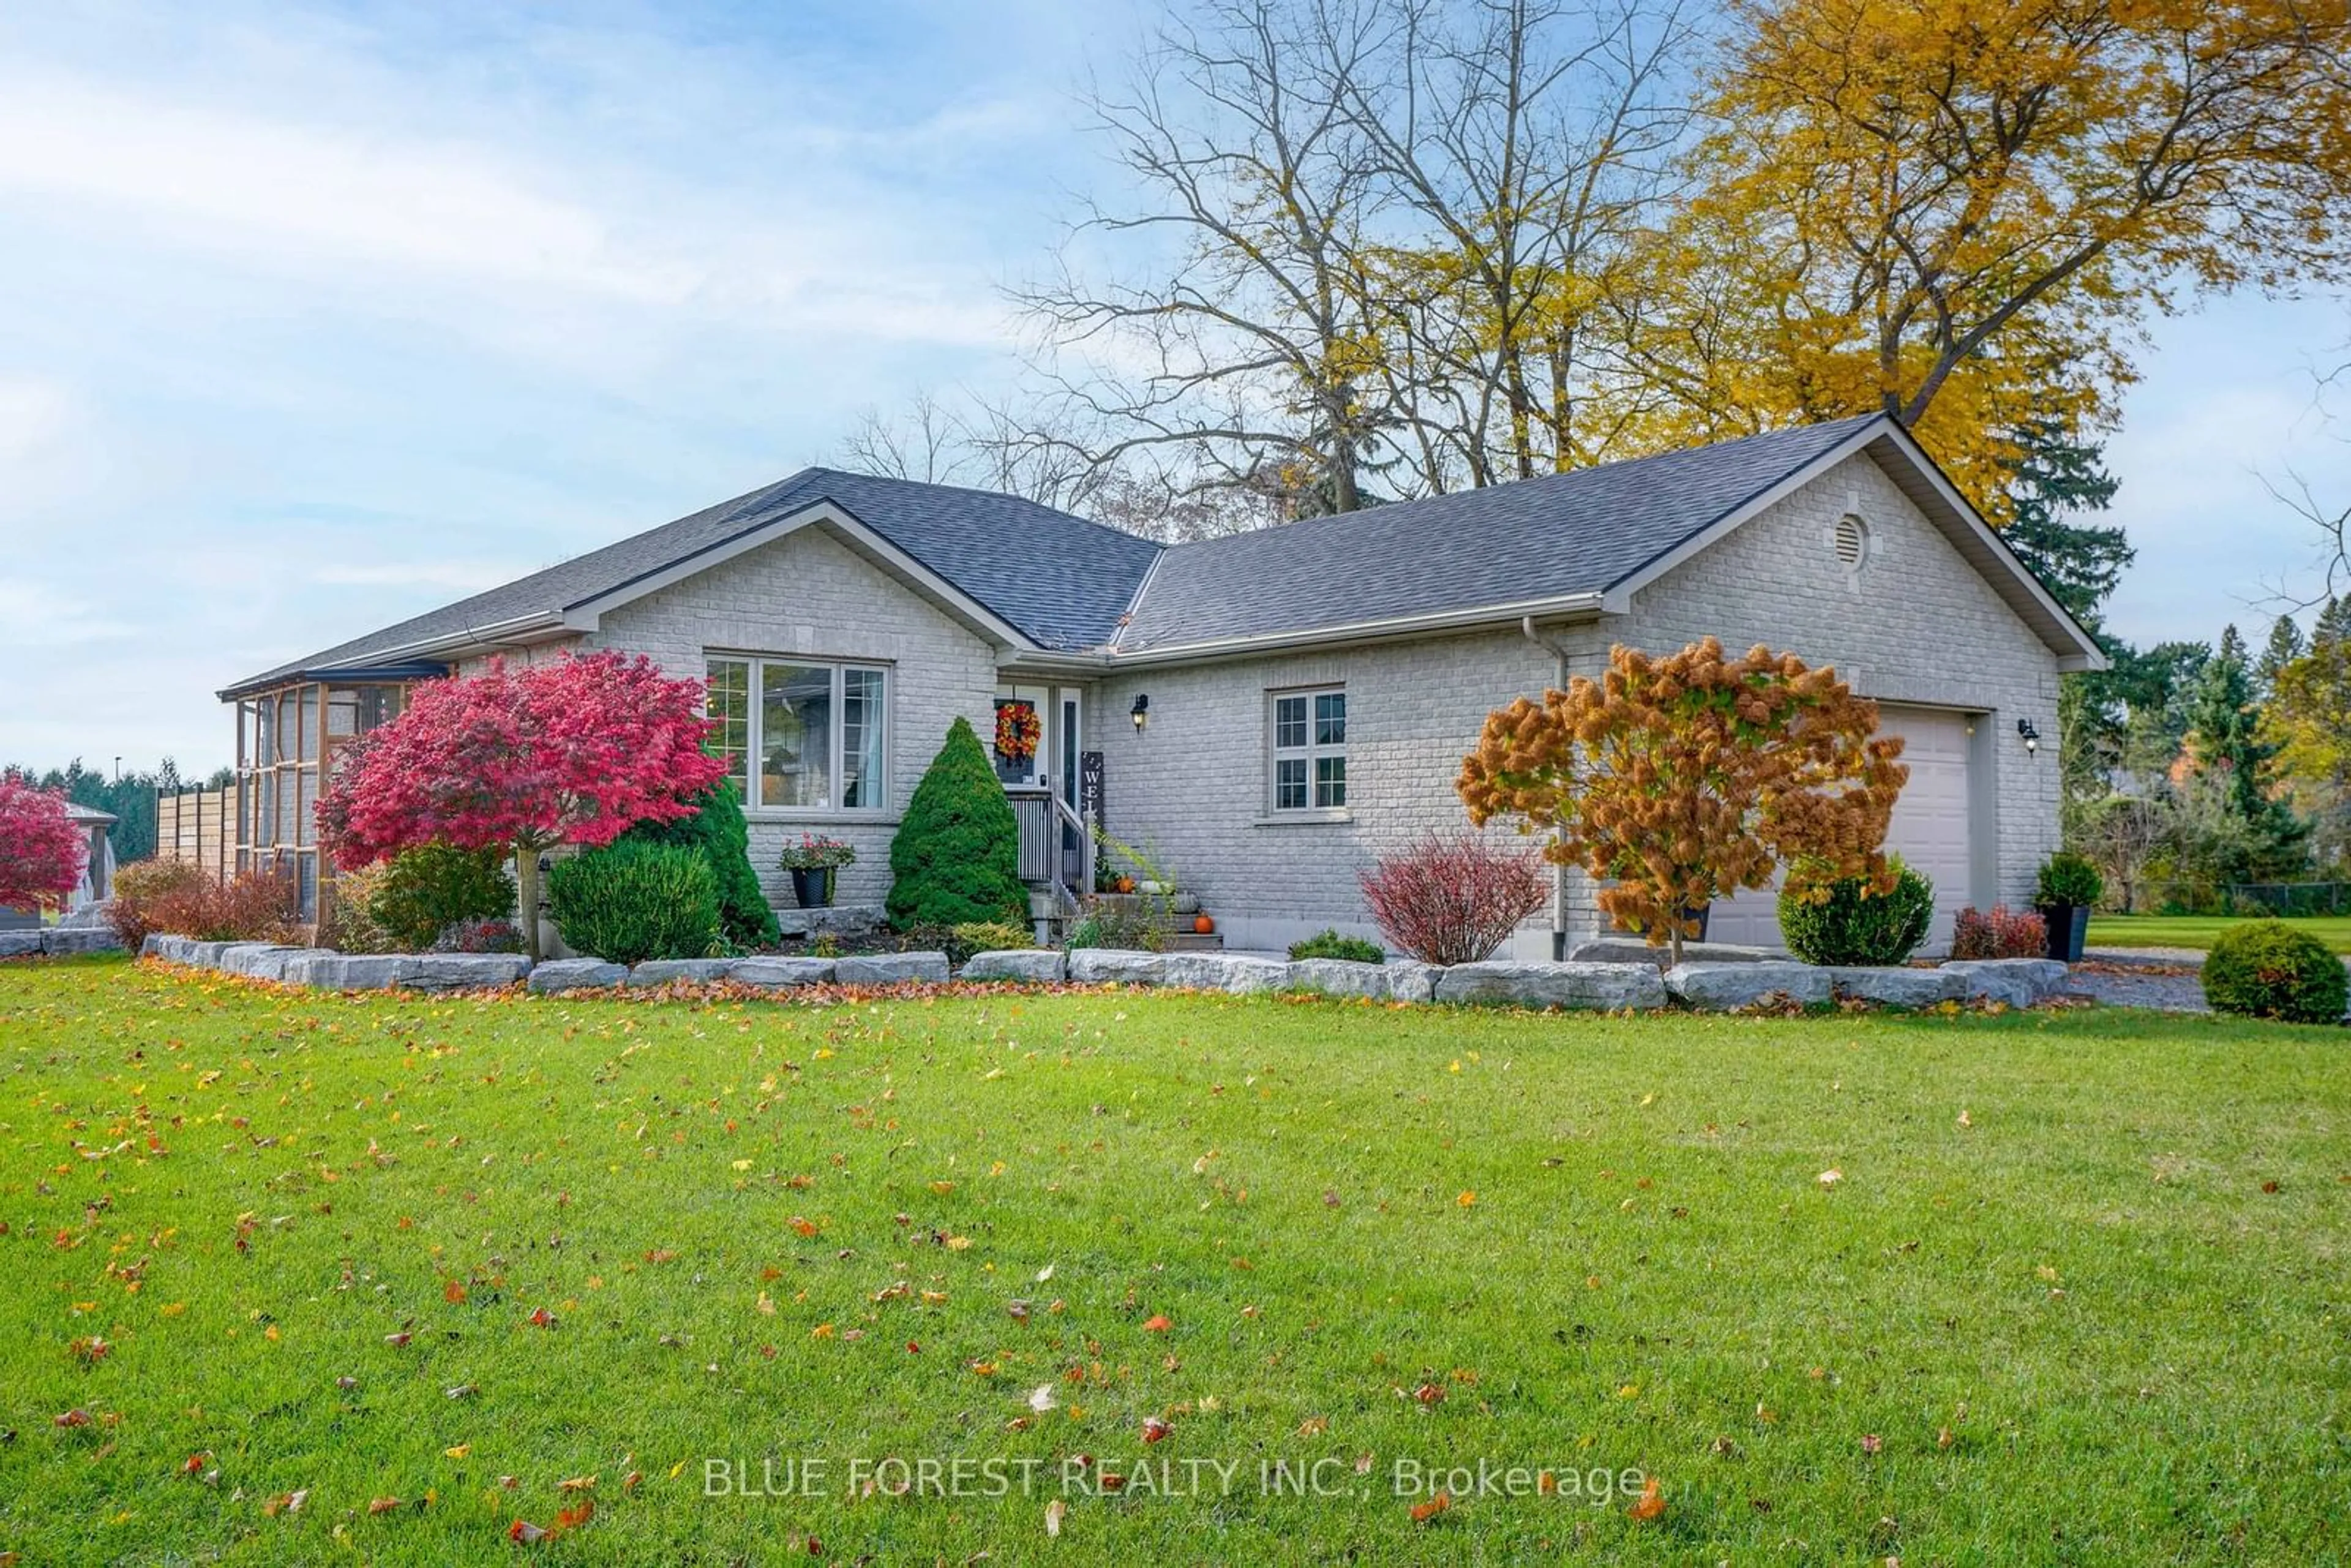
(1018, 731)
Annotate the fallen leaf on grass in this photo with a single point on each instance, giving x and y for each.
(1156, 1323)
(1055, 1511)
(1154, 1429)
(288, 1502)
(383, 1504)
(1830, 1177)
(1422, 1513)
(1871, 1442)
(1651, 1504)
(525, 1532)
(74, 1418)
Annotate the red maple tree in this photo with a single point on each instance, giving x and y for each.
(572, 751)
(41, 848)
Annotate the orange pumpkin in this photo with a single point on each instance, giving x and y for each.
(1126, 884)
(1203, 925)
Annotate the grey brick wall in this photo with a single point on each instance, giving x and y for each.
(1916, 624)
(1194, 788)
(807, 593)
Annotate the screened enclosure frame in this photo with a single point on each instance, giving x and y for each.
(288, 739)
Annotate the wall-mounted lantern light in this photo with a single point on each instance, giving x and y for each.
(1140, 713)
(2031, 736)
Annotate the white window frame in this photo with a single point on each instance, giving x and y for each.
(1311, 754)
(746, 778)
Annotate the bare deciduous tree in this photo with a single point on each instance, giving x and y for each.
(1241, 349)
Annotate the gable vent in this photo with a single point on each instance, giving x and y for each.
(1852, 542)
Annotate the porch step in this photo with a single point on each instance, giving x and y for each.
(1196, 942)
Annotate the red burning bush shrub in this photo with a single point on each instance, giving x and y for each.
(1454, 898)
(182, 900)
(2004, 933)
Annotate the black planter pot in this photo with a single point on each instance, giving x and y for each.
(813, 886)
(1700, 914)
(2069, 927)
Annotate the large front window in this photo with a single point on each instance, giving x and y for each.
(802, 735)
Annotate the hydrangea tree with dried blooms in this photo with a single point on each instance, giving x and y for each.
(41, 848)
(573, 751)
(1686, 778)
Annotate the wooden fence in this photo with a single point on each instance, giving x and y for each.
(197, 826)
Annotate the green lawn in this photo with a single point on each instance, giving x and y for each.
(2077, 1297)
(2200, 931)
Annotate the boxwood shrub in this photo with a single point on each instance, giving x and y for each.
(717, 831)
(1852, 925)
(2267, 969)
(426, 890)
(1331, 944)
(631, 900)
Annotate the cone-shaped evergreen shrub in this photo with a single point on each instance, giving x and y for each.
(717, 830)
(956, 856)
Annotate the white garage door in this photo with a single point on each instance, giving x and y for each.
(1929, 830)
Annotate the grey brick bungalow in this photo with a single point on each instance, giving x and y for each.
(1268, 712)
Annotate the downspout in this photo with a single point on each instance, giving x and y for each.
(1558, 871)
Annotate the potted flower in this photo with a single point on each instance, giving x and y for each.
(812, 862)
(2069, 886)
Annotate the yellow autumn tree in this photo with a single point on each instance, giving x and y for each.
(1960, 213)
(1685, 777)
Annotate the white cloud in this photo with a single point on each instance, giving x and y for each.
(461, 575)
(354, 202)
(41, 614)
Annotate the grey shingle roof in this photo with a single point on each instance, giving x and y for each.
(1067, 583)
(1062, 580)
(1537, 539)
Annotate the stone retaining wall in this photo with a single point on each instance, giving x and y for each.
(59, 940)
(2019, 982)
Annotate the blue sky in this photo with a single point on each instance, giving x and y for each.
(315, 316)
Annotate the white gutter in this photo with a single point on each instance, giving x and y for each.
(494, 633)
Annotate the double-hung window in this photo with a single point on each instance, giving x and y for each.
(1309, 750)
(801, 735)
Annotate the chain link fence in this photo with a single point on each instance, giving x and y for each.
(2284, 900)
